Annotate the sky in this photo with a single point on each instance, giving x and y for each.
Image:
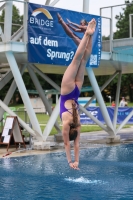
(94, 8)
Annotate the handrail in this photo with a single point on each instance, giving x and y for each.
(12, 24)
(110, 41)
(14, 0)
(24, 24)
(111, 22)
(130, 25)
(116, 5)
(25, 17)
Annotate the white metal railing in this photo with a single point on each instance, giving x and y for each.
(111, 22)
(25, 1)
(110, 40)
(23, 33)
(20, 26)
(130, 25)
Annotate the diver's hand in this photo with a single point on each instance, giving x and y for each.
(74, 165)
(71, 165)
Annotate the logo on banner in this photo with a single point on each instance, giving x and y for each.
(46, 21)
(41, 22)
(42, 10)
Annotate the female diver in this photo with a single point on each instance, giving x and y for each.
(70, 90)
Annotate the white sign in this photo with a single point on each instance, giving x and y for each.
(9, 123)
(6, 139)
(83, 100)
(5, 132)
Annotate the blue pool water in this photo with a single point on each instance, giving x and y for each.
(105, 173)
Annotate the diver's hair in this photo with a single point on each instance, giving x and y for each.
(83, 20)
(73, 126)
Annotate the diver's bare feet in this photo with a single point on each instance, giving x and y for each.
(59, 18)
(91, 27)
(69, 21)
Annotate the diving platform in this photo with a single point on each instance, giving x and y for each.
(120, 59)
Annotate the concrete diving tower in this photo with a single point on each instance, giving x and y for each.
(13, 63)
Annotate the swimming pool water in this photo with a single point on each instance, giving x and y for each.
(105, 173)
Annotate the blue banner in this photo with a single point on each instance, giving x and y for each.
(123, 112)
(54, 34)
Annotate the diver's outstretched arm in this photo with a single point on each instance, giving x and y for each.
(79, 27)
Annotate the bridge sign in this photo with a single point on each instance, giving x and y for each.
(54, 34)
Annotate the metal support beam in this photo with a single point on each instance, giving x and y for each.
(57, 98)
(23, 92)
(95, 86)
(16, 36)
(2, 35)
(111, 24)
(101, 88)
(7, 77)
(93, 118)
(10, 92)
(86, 6)
(111, 29)
(54, 2)
(41, 94)
(111, 37)
(130, 25)
(51, 121)
(25, 21)
(45, 77)
(99, 98)
(55, 112)
(2, 7)
(47, 2)
(8, 20)
(124, 122)
(117, 100)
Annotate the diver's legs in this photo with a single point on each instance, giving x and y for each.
(72, 74)
(81, 71)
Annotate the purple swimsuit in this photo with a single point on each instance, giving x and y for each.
(73, 96)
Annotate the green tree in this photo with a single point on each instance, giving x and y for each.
(123, 21)
(105, 37)
(16, 19)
